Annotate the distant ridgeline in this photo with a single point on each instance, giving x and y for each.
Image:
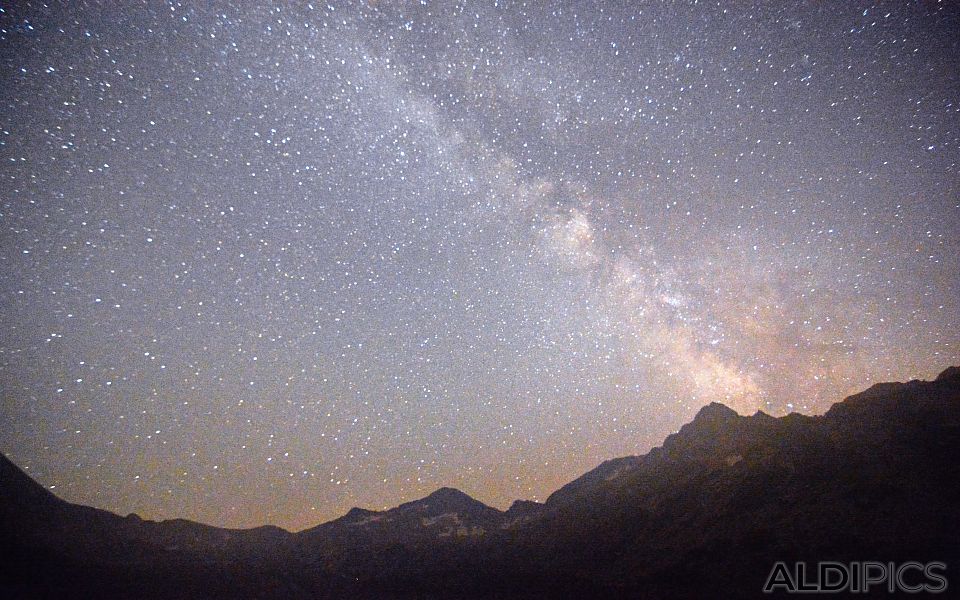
(723, 500)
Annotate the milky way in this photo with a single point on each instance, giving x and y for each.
(262, 265)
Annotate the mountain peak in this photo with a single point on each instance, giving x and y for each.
(447, 499)
(447, 492)
(950, 374)
(356, 513)
(715, 413)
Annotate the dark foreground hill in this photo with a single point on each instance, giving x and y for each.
(875, 478)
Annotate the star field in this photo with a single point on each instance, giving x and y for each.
(260, 265)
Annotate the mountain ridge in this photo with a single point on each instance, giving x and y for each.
(658, 523)
(713, 413)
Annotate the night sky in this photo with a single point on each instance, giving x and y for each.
(262, 265)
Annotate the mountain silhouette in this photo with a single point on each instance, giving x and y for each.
(874, 478)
